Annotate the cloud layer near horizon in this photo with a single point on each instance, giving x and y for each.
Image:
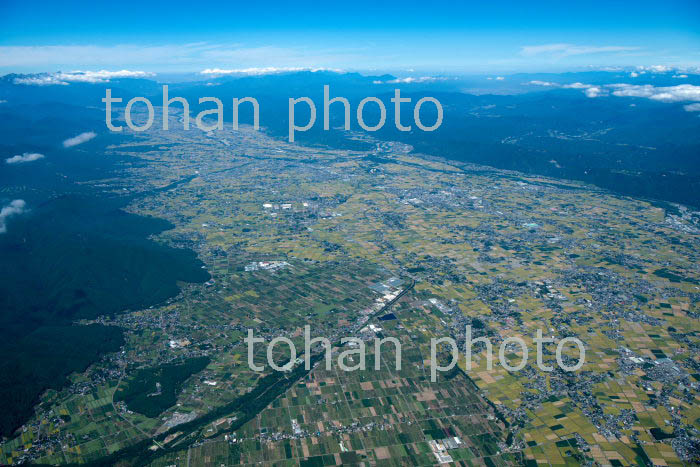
(174, 57)
(680, 93)
(668, 94)
(261, 70)
(389, 55)
(61, 78)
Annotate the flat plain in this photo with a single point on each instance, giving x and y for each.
(296, 236)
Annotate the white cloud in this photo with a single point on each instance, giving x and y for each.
(567, 50)
(80, 139)
(3, 101)
(656, 68)
(679, 71)
(15, 207)
(577, 86)
(26, 157)
(249, 71)
(594, 91)
(589, 90)
(412, 80)
(103, 76)
(634, 74)
(680, 93)
(40, 80)
(692, 107)
(261, 71)
(500, 78)
(61, 78)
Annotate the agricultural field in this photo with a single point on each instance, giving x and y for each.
(295, 236)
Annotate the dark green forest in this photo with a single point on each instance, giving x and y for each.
(150, 391)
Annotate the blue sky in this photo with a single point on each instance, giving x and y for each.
(438, 37)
